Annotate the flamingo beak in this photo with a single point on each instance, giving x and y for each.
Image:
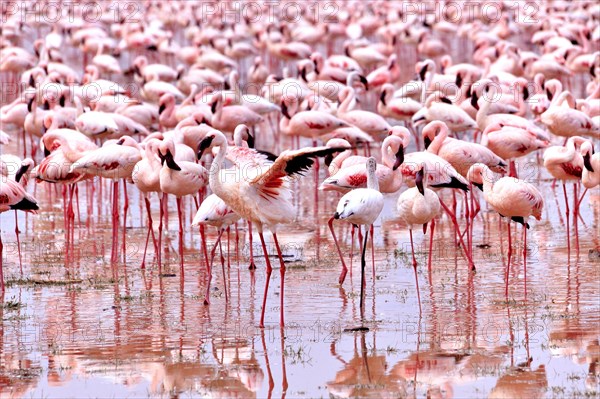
(250, 140)
(46, 152)
(336, 215)
(204, 144)
(474, 101)
(478, 185)
(427, 142)
(419, 181)
(364, 81)
(382, 99)
(213, 107)
(284, 110)
(162, 158)
(121, 141)
(422, 72)
(399, 157)
(170, 161)
(587, 163)
(328, 159)
(22, 170)
(161, 109)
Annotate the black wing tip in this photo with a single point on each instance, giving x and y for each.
(454, 183)
(270, 156)
(25, 205)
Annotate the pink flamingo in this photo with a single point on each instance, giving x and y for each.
(512, 198)
(261, 194)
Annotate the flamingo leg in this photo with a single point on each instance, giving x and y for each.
(223, 267)
(267, 279)
(363, 263)
(228, 243)
(508, 260)
(351, 246)
(412, 247)
(431, 230)
(212, 257)
(567, 212)
(150, 231)
(180, 217)
(372, 251)
(160, 229)
(252, 265)
(1, 266)
(337, 245)
(282, 275)
(115, 214)
(17, 231)
(581, 198)
(575, 216)
(457, 228)
(525, 256)
(203, 239)
(125, 208)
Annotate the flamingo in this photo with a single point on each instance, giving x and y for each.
(261, 194)
(228, 118)
(360, 206)
(565, 163)
(13, 197)
(114, 160)
(418, 206)
(452, 115)
(369, 122)
(179, 178)
(215, 212)
(512, 198)
(590, 176)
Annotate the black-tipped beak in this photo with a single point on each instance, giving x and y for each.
(364, 81)
(303, 74)
(422, 72)
(587, 162)
(336, 215)
(593, 71)
(162, 158)
(284, 110)
(62, 101)
(382, 99)
(46, 152)
(474, 103)
(459, 80)
(479, 186)
(161, 109)
(30, 105)
(121, 141)
(549, 94)
(213, 107)
(22, 170)
(419, 181)
(427, 142)
(328, 159)
(170, 161)
(525, 93)
(250, 140)
(204, 145)
(399, 157)
(226, 85)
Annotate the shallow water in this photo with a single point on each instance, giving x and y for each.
(89, 328)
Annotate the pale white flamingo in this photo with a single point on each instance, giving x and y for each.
(418, 206)
(360, 206)
(228, 118)
(261, 194)
(213, 211)
(369, 122)
(452, 115)
(146, 177)
(565, 163)
(512, 198)
(179, 178)
(13, 197)
(398, 108)
(461, 154)
(114, 160)
(563, 119)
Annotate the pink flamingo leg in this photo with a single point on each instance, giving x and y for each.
(252, 265)
(150, 231)
(1, 266)
(457, 228)
(125, 208)
(412, 247)
(282, 275)
(17, 231)
(223, 268)
(575, 216)
(212, 256)
(180, 217)
(372, 251)
(509, 257)
(267, 279)
(351, 246)
(567, 212)
(431, 230)
(344, 268)
(160, 229)
(203, 239)
(525, 256)
(363, 263)
(115, 215)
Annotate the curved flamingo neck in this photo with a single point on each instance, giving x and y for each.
(214, 178)
(345, 104)
(438, 139)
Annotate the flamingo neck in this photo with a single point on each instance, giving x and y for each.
(336, 163)
(372, 182)
(214, 178)
(344, 106)
(438, 141)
